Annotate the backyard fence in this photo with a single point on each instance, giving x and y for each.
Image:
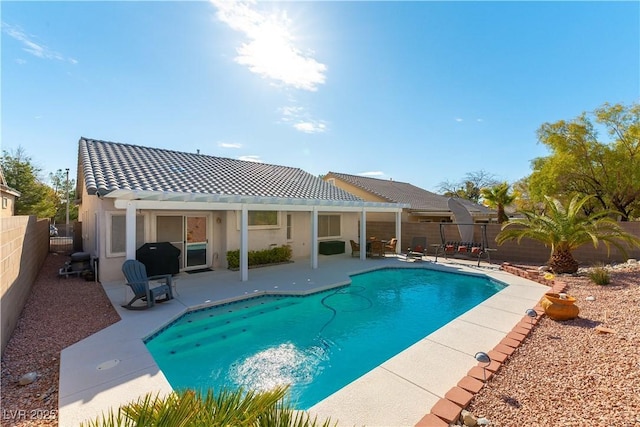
(23, 248)
(527, 251)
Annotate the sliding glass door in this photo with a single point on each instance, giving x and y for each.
(196, 240)
(187, 233)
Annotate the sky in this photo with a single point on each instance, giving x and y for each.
(420, 92)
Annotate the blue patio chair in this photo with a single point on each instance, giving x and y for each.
(136, 274)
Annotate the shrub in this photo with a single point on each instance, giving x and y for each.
(265, 256)
(599, 276)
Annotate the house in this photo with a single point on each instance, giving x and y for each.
(422, 205)
(8, 195)
(205, 206)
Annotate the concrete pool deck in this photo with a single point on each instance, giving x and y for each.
(113, 366)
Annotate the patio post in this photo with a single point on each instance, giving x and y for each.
(244, 250)
(398, 230)
(130, 230)
(363, 234)
(314, 238)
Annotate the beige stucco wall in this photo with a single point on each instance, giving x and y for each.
(24, 245)
(301, 233)
(223, 233)
(7, 204)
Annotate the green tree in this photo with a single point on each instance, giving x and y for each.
(582, 163)
(566, 228)
(498, 197)
(64, 188)
(195, 409)
(469, 187)
(21, 174)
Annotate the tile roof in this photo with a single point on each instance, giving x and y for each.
(403, 192)
(109, 166)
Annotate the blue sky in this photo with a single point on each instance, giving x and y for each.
(421, 92)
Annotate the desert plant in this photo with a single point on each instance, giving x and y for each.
(189, 408)
(565, 229)
(599, 275)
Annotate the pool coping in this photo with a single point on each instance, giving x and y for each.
(113, 366)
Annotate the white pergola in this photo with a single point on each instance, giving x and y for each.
(133, 200)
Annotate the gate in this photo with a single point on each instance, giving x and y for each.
(61, 240)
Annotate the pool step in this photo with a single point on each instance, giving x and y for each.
(202, 342)
(222, 324)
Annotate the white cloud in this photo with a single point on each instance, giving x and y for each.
(21, 61)
(479, 120)
(371, 173)
(301, 120)
(31, 47)
(311, 127)
(229, 145)
(292, 112)
(269, 49)
(458, 119)
(250, 158)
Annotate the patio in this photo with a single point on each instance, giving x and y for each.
(113, 367)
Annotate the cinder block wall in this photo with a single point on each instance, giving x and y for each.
(24, 245)
(527, 251)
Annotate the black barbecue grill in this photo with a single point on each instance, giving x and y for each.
(159, 258)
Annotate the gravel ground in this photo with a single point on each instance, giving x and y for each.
(564, 374)
(58, 313)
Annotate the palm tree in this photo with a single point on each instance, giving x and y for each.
(498, 197)
(188, 408)
(565, 229)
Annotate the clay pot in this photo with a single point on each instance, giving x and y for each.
(558, 308)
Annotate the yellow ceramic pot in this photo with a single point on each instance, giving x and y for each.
(558, 308)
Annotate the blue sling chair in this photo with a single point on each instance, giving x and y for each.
(136, 274)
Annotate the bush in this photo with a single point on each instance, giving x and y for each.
(599, 276)
(265, 256)
(194, 408)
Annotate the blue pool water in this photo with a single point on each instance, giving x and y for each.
(319, 343)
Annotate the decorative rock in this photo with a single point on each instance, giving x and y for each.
(28, 378)
(468, 419)
(590, 298)
(632, 261)
(483, 421)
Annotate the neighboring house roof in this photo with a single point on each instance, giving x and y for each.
(115, 168)
(5, 188)
(402, 192)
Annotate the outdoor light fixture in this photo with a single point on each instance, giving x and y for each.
(532, 314)
(483, 357)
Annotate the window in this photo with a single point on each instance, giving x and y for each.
(262, 218)
(289, 227)
(116, 236)
(5, 202)
(329, 226)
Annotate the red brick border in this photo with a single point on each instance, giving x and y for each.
(448, 409)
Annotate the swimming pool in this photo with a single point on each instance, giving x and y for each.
(318, 343)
